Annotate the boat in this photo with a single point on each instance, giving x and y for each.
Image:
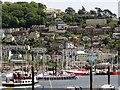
(107, 87)
(18, 79)
(105, 72)
(78, 72)
(73, 88)
(115, 70)
(49, 76)
(115, 73)
(101, 72)
(102, 69)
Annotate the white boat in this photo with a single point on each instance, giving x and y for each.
(73, 88)
(107, 87)
(78, 72)
(19, 79)
(62, 76)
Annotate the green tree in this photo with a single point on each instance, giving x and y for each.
(14, 22)
(83, 9)
(93, 12)
(23, 14)
(81, 12)
(99, 12)
(70, 10)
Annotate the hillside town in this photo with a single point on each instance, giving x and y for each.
(48, 47)
(67, 45)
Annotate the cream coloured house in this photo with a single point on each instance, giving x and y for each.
(34, 35)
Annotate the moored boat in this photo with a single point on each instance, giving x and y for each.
(106, 73)
(78, 72)
(115, 73)
(107, 87)
(63, 76)
(18, 79)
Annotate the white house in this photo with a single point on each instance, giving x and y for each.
(34, 35)
(15, 47)
(96, 21)
(58, 20)
(9, 38)
(116, 35)
(117, 29)
(62, 26)
(52, 28)
(70, 45)
(69, 55)
(81, 56)
(39, 50)
(51, 15)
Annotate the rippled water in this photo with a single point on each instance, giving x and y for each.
(83, 81)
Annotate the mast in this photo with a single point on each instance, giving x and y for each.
(32, 74)
(108, 74)
(1, 41)
(91, 77)
(0, 55)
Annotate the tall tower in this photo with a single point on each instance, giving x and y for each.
(118, 9)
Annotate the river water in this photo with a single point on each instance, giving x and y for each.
(83, 81)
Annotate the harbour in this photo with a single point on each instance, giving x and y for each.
(82, 81)
(44, 48)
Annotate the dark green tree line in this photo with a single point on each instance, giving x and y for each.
(22, 14)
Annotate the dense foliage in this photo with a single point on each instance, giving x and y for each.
(22, 14)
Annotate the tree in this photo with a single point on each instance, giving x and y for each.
(34, 4)
(70, 10)
(80, 12)
(83, 9)
(98, 26)
(41, 6)
(6, 19)
(99, 12)
(118, 23)
(22, 22)
(93, 12)
(68, 18)
(14, 22)
(23, 14)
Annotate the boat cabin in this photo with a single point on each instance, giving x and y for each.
(107, 87)
(73, 88)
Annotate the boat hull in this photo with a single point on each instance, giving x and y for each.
(114, 73)
(78, 73)
(17, 84)
(111, 73)
(56, 77)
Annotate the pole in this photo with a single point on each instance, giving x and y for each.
(108, 74)
(92, 59)
(90, 77)
(32, 73)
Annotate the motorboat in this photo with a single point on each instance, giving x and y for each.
(107, 87)
(19, 78)
(60, 76)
